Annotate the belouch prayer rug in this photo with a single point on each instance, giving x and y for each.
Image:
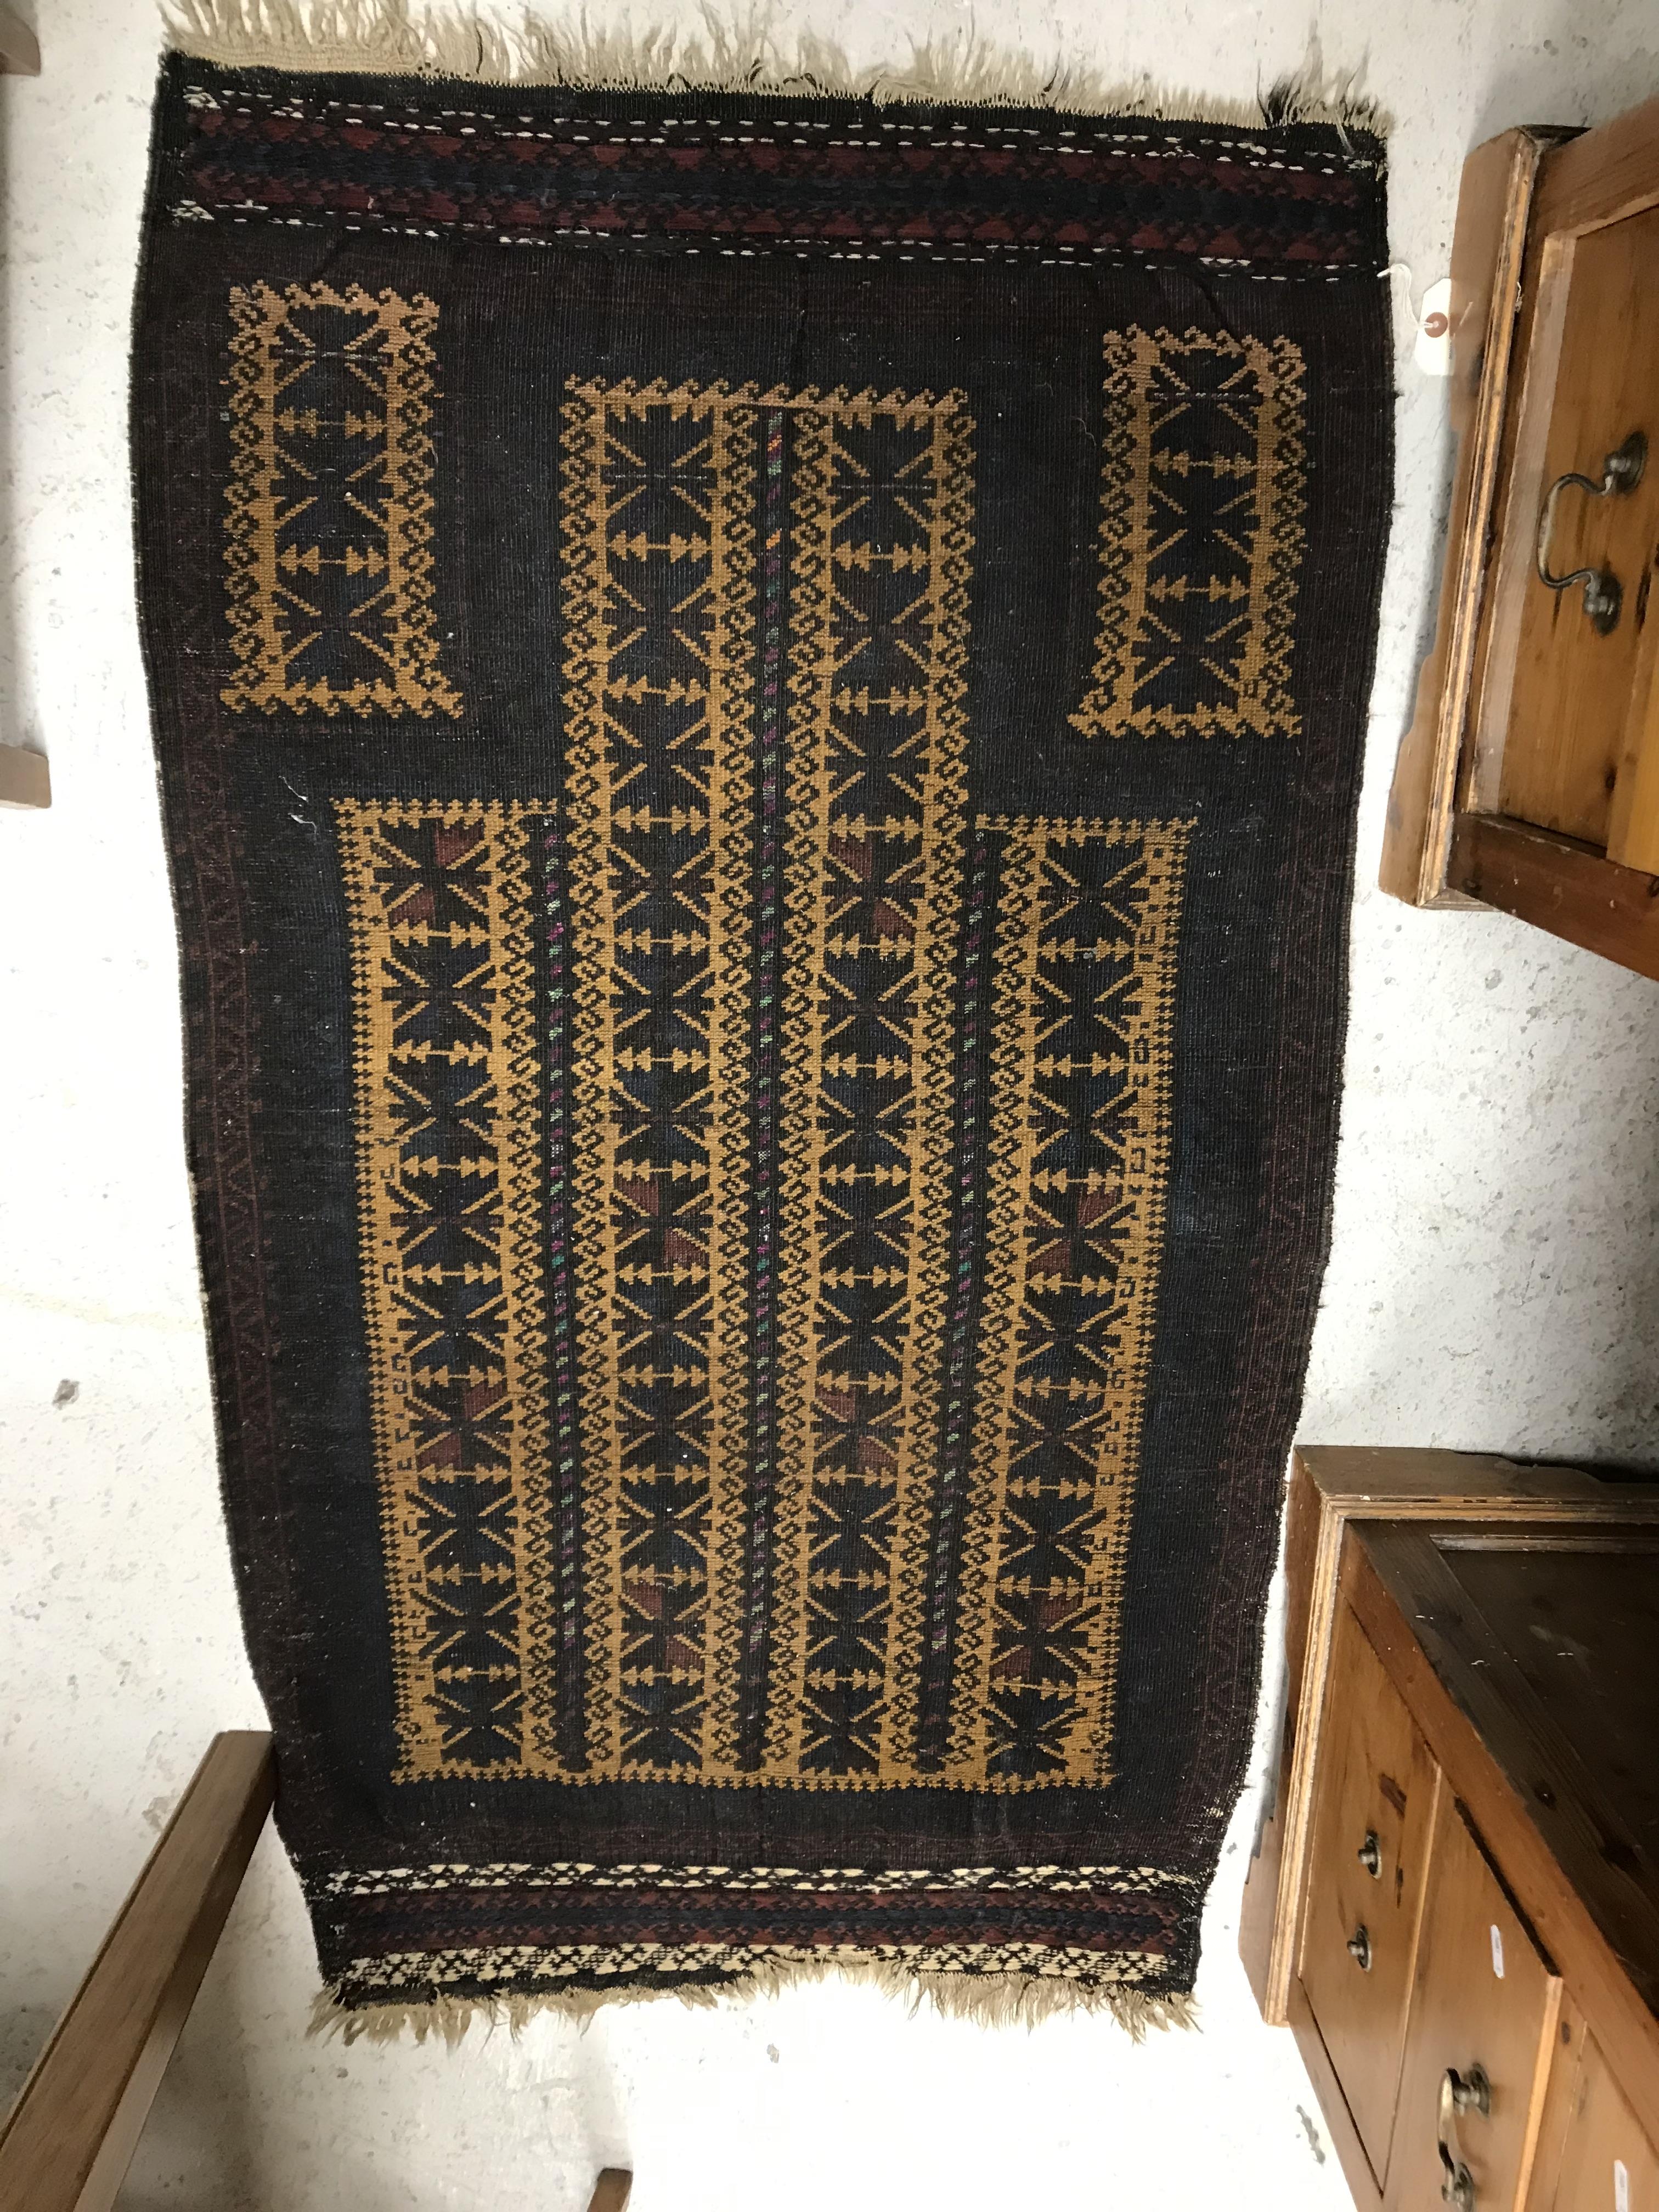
(759, 699)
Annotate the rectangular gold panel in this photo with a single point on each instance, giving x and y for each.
(661, 563)
(449, 1116)
(328, 550)
(708, 534)
(1203, 466)
(1081, 1111)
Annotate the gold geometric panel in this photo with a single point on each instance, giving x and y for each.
(441, 899)
(1203, 469)
(328, 553)
(766, 602)
(1081, 1110)
(691, 1468)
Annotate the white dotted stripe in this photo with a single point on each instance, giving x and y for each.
(899, 135)
(1117, 1882)
(1329, 272)
(503, 1965)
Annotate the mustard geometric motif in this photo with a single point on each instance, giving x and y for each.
(440, 905)
(1203, 467)
(328, 552)
(699, 523)
(762, 851)
(1082, 1113)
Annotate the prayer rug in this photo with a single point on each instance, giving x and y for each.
(759, 698)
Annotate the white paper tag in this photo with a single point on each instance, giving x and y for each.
(1620, 2186)
(1497, 1951)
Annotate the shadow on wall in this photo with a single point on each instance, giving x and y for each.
(1581, 72)
(23, 2032)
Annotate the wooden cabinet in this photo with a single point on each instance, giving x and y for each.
(1454, 1903)
(1529, 778)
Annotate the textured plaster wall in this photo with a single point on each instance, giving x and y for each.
(1494, 1286)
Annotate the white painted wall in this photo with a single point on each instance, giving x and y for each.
(1494, 1286)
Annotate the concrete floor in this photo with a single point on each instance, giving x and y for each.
(1494, 1286)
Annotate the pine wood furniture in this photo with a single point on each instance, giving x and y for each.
(1529, 777)
(1455, 1900)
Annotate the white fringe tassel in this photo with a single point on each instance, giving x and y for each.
(990, 2000)
(737, 55)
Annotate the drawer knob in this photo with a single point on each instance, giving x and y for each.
(1458, 2092)
(1359, 1948)
(1458, 2186)
(1370, 1856)
(1604, 595)
(1470, 2091)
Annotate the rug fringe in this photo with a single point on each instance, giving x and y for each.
(738, 53)
(989, 2000)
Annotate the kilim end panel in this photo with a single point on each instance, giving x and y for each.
(760, 704)
(1056, 1931)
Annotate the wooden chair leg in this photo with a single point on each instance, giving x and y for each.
(610, 2190)
(72, 2132)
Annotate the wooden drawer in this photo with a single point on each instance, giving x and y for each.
(1373, 1820)
(1606, 2163)
(1561, 695)
(1485, 2004)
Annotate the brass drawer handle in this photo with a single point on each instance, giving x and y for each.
(1604, 595)
(1458, 2092)
(1370, 1856)
(1359, 1948)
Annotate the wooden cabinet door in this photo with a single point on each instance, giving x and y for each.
(1529, 780)
(1607, 2164)
(1565, 727)
(1373, 1819)
(1482, 2024)
(1572, 685)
